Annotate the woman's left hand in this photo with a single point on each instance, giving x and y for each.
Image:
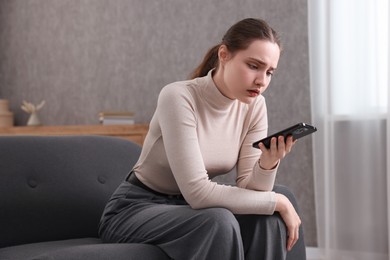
(278, 150)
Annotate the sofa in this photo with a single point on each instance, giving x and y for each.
(53, 191)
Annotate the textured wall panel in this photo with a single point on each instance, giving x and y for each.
(85, 56)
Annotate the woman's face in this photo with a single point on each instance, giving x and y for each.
(247, 74)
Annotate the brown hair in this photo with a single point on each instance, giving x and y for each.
(238, 37)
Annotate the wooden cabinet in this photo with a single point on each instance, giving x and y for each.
(135, 133)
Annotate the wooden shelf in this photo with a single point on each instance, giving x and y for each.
(135, 133)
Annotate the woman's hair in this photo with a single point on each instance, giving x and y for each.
(238, 37)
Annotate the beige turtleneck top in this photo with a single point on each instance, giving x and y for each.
(196, 134)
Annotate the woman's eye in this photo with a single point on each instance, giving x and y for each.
(252, 66)
(270, 73)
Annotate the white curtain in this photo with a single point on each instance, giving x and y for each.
(349, 70)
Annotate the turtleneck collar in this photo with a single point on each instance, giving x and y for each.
(212, 94)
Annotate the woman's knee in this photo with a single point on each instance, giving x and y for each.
(260, 223)
(220, 220)
(288, 193)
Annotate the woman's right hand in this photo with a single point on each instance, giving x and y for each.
(290, 218)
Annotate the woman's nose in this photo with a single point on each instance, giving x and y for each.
(260, 80)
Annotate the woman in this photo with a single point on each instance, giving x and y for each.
(202, 128)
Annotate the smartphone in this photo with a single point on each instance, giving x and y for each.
(297, 131)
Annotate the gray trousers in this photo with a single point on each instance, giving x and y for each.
(135, 215)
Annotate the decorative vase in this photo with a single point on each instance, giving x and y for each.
(34, 120)
(6, 116)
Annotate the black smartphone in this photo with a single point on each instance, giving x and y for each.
(297, 131)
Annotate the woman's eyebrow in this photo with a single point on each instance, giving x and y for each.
(261, 63)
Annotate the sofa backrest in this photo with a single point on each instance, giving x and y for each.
(54, 188)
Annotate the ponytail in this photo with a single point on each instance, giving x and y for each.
(209, 62)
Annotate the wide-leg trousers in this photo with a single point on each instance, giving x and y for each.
(135, 215)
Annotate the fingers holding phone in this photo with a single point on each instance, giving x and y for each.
(278, 149)
(289, 143)
(278, 145)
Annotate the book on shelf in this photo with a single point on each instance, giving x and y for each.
(116, 118)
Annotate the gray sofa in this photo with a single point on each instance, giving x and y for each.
(53, 191)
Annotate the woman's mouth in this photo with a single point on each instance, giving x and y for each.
(253, 92)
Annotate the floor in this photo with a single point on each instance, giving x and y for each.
(313, 253)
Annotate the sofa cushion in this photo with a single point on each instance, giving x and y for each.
(55, 188)
(81, 249)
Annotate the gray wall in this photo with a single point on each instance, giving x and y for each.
(86, 56)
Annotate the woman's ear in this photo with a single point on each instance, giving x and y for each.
(223, 54)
